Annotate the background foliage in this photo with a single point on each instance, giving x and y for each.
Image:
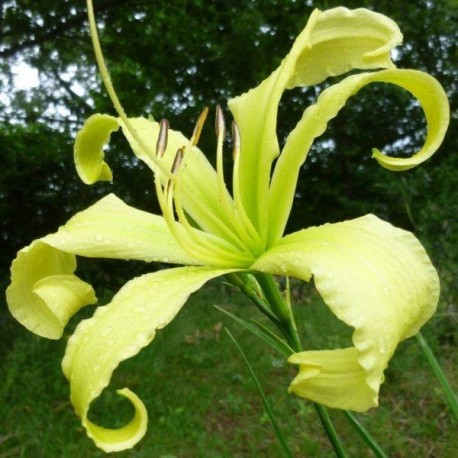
(170, 59)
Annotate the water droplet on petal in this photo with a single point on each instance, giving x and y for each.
(143, 337)
(105, 331)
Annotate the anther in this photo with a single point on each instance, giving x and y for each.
(220, 125)
(175, 166)
(162, 139)
(235, 140)
(177, 160)
(199, 126)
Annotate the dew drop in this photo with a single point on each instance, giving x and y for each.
(105, 331)
(143, 337)
(140, 308)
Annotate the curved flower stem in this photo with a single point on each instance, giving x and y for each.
(439, 373)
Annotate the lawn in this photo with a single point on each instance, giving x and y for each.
(202, 401)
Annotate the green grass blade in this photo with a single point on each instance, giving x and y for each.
(378, 452)
(330, 430)
(263, 397)
(275, 342)
(439, 373)
(283, 347)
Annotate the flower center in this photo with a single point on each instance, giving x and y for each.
(238, 243)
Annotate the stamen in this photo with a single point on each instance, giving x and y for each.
(177, 160)
(235, 140)
(204, 246)
(220, 125)
(198, 127)
(238, 225)
(175, 166)
(162, 139)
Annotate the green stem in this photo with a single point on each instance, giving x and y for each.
(378, 452)
(280, 309)
(439, 373)
(112, 93)
(241, 282)
(284, 313)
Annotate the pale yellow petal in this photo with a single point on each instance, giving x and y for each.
(44, 294)
(333, 42)
(314, 122)
(332, 378)
(374, 277)
(112, 229)
(88, 149)
(119, 331)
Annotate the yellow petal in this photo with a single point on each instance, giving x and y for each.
(424, 87)
(119, 331)
(112, 229)
(332, 378)
(44, 294)
(88, 149)
(332, 43)
(374, 277)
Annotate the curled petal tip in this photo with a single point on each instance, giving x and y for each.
(88, 150)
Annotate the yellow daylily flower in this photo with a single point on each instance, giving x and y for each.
(374, 277)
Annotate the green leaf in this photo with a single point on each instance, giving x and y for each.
(262, 332)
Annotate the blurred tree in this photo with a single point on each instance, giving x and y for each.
(170, 59)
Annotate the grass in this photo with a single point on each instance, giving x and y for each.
(202, 401)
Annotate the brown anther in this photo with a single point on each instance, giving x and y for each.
(175, 166)
(220, 125)
(235, 140)
(162, 139)
(199, 126)
(177, 160)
